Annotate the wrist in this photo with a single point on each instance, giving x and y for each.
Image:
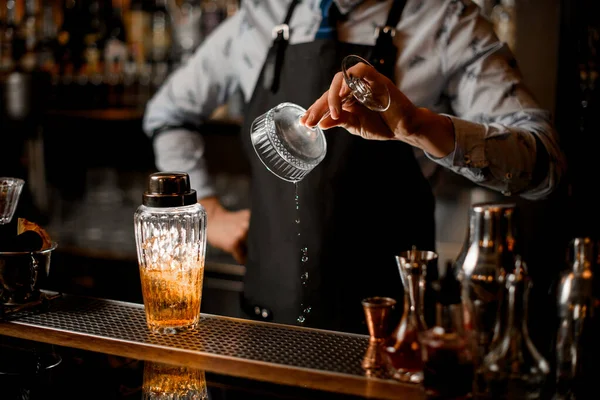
(212, 206)
(433, 133)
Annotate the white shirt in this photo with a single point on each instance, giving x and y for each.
(450, 61)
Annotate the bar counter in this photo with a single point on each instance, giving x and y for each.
(291, 361)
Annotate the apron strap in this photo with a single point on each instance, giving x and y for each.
(281, 36)
(385, 52)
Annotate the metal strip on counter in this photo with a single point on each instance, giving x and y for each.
(282, 354)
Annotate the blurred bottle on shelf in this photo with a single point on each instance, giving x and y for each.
(29, 30)
(9, 35)
(115, 56)
(91, 75)
(213, 13)
(105, 53)
(161, 47)
(188, 29)
(47, 41)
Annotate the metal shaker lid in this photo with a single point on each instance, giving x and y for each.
(169, 189)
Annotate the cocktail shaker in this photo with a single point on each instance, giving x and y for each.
(488, 254)
(575, 306)
(170, 234)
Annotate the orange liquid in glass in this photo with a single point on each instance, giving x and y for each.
(172, 297)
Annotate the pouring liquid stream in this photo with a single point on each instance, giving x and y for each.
(305, 308)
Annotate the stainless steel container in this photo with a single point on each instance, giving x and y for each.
(481, 266)
(575, 300)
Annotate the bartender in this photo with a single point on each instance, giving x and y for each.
(367, 201)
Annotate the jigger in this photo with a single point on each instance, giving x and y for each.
(377, 312)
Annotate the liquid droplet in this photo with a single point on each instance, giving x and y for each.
(306, 309)
(304, 257)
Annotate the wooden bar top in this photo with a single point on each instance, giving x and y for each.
(274, 353)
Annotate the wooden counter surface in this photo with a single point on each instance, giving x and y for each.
(280, 354)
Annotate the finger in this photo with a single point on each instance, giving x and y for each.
(244, 218)
(345, 119)
(315, 112)
(362, 70)
(333, 95)
(380, 86)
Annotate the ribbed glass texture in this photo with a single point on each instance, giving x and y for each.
(171, 249)
(10, 191)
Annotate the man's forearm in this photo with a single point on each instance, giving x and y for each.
(182, 150)
(431, 132)
(211, 205)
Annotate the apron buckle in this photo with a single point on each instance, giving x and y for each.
(283, 30)
(388, 30)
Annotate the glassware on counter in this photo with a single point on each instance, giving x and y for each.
(10, 191)
(403, 353)
(448, 367)
(448, 349)
(377, 312)
(575, 305)
(291, 150)
(170, 232)
(514, 369)
(487, 255)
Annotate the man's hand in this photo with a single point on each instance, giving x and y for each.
(227, 230)
(403, 120)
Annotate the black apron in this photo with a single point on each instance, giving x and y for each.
(366, 202)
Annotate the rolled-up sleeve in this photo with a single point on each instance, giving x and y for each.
(503, 139)
(188, 97)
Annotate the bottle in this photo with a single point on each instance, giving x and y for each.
(188, 31)
(447, 348)
(514, 369)
(170, 234)
(115, 56)
(47, 43)
(213, 13)
(29, 30)
(95, 40)
(139, 37)
(9, 34)
(69, 52)
(403, 353)
(161, 51)
(575, 300)
(161, 32)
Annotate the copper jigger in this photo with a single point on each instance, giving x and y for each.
(377, 312)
